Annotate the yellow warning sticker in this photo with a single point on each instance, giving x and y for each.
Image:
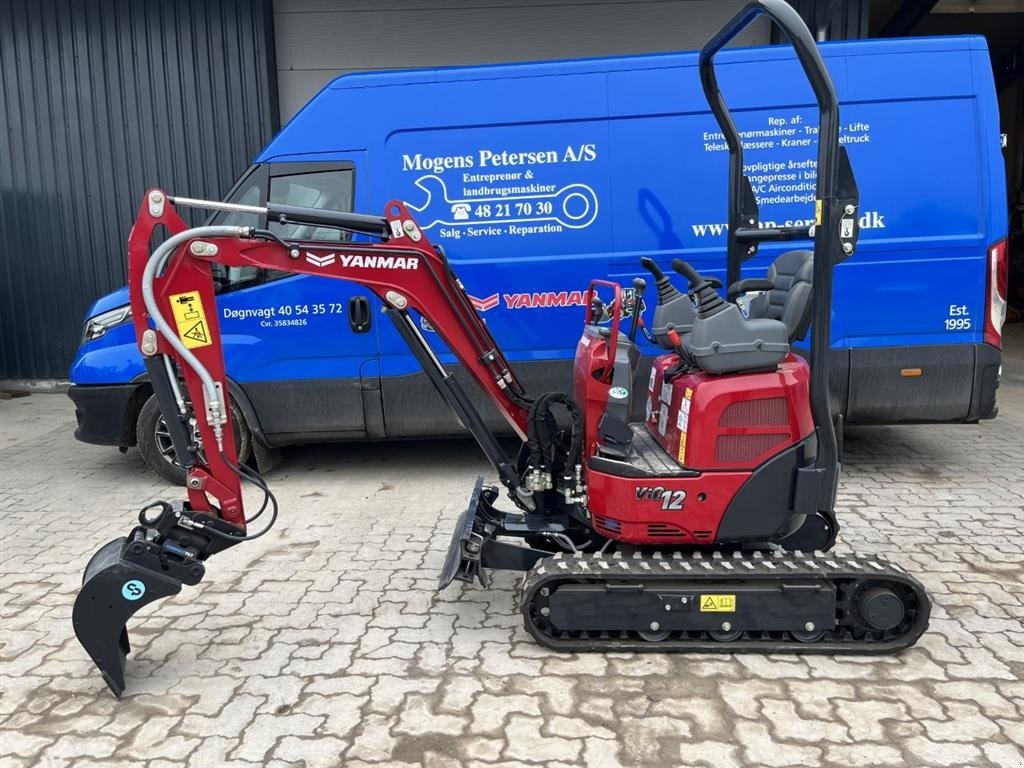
(817, 212)
(718, 603)
(683, 423)
(190, 319)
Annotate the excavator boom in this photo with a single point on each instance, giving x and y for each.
(403, 269)
(173, 302)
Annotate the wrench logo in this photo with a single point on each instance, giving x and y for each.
(573, 206)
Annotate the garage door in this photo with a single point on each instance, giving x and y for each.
(320, 39)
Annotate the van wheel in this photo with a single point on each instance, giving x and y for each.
(154, 440)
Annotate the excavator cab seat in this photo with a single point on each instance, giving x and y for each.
(727, 342)
(785, 294)
(722, 339)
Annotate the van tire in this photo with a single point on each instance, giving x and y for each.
(154, 447)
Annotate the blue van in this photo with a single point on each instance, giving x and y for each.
(536, 177)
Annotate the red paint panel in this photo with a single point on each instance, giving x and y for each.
(652, 511)
(734, 421)
(590, 390)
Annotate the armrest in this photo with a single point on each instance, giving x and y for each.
(750, 284)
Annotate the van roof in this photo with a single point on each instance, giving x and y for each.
(365, 94)
(384, 78)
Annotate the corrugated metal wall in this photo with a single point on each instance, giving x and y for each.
(101, 99)
(425, 33)
(833, 20)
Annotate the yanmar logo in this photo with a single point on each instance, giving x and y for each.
(540, 300)
(482, 305)
(360, 261)
(545, 299)
(320, 261)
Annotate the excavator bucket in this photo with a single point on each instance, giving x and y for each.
(122, 577)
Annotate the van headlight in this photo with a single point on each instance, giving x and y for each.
(100, 324)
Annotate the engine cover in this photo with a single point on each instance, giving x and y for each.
(728, 422)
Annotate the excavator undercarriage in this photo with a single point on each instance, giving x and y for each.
(763, 602)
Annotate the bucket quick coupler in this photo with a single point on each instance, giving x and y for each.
(165, 551)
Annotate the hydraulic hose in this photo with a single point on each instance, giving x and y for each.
(153, 268)
(542, 427)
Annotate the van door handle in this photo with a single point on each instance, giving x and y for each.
(359, 314)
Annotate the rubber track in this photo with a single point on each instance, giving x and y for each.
(696, 568)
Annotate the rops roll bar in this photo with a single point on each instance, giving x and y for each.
(744, 233)
(835, 227)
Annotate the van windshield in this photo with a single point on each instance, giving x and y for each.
(325, 189)
(328, 189)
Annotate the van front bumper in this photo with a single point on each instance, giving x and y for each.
(101, 412)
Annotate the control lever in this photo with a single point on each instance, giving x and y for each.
(676, 339)
(647, 333)
(639, 286)
(686, 362)
(666, 291)
(705, 298)
(687, 271)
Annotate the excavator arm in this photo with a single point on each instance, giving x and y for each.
(174, 310)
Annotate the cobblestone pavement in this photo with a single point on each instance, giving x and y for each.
(324, 643)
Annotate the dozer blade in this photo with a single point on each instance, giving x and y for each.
(463, 560)
(122, 577)
(475, 547)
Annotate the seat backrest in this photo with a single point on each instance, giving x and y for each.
(790, 299)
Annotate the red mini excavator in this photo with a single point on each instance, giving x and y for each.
(700, 529)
